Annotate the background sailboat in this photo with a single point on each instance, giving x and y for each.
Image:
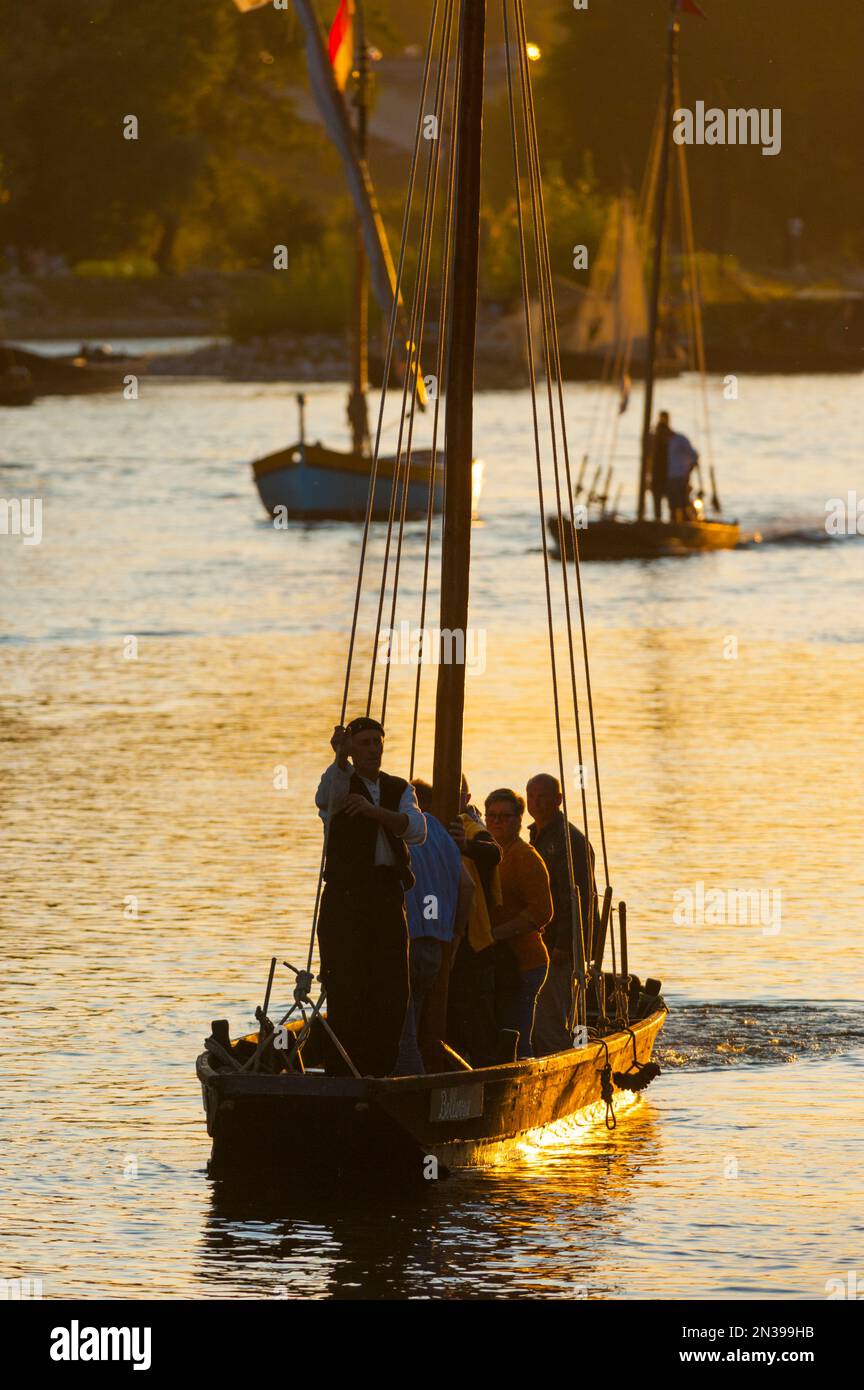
(674, 305)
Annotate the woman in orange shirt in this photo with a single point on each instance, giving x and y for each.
(518, 922)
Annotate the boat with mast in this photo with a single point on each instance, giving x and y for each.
(270, 1107)
(601, 531)
(309, 480)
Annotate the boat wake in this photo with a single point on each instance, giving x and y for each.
(808, 536)
(708, 1037)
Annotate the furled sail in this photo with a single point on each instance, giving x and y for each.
(335, 116)
(325, 84)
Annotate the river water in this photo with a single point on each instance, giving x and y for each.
(159, 846)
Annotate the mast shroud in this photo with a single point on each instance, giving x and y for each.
(657, 272)
(459, 436)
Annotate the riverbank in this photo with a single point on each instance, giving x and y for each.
(818, 327)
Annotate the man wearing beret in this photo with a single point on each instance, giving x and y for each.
(370, 819)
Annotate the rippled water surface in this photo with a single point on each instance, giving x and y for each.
(158, 846)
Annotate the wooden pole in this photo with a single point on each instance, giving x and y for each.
(657, 272)
(622, 936)
(459, 437)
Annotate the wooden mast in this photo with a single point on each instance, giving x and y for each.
(657, 272)
(456, 544)
(357, 411)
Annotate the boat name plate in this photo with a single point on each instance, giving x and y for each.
(457, 1103)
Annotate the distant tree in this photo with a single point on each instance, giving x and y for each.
(199, 79)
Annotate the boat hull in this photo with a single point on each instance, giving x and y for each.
(16, 387)
(397, 1126)
(608, 539)
(312, 483)
(76, 376)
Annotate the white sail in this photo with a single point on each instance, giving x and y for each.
(614, 311)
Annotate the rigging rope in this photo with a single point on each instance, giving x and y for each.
(388, 362)
(443, 310)
(442, 19)
(538, 236)
(544, 246)
(373, 474)
(418, 325)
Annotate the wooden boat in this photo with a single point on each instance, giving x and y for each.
(607, 538)
(310, 1123)
(312, 483)
(269, 1105)
(77, 373)
(308, 482)
(606, 535)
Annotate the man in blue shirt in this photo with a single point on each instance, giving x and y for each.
(437, 910)
(682, 458)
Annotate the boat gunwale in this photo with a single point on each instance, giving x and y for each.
(653, 527)
(348, 1087)
(319, 456)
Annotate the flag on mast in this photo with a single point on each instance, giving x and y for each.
(341, 44)
(690, 7)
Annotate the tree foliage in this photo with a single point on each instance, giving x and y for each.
(222, 169)
(206, 86)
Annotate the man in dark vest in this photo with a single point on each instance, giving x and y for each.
(370, 818)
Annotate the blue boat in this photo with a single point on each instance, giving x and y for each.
(308, 482)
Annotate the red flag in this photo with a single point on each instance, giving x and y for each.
(341, 43)
(690, 7)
